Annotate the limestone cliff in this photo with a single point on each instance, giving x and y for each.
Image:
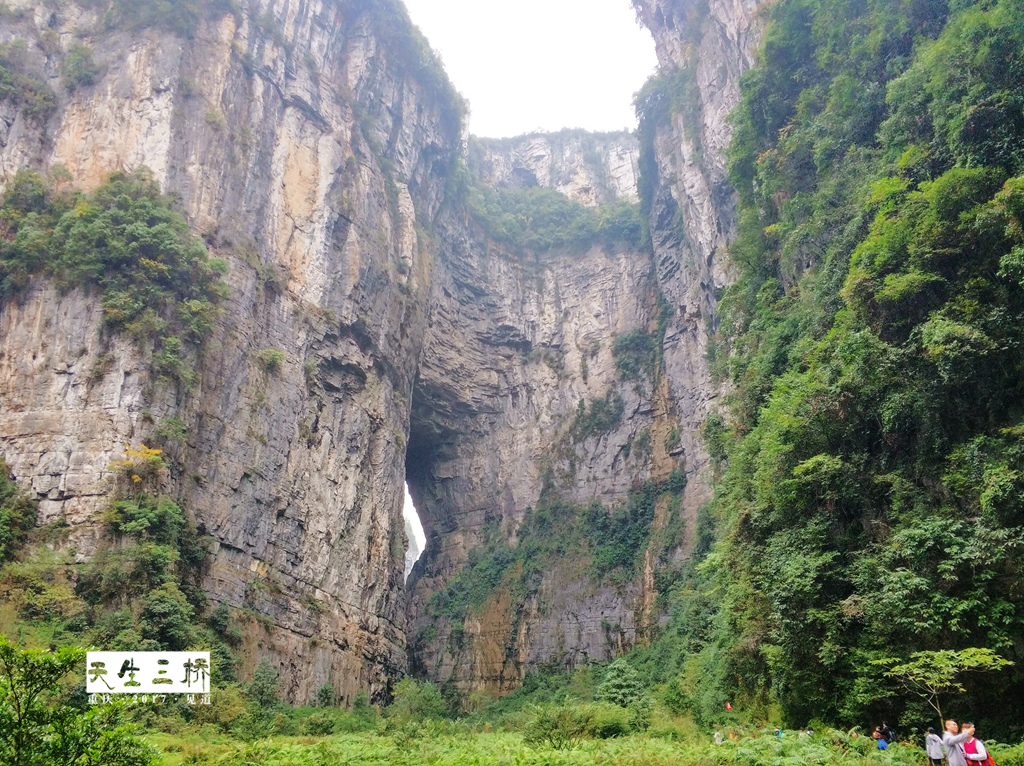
(491, 473)
(592, 168)
(305, 140)
(703, 48)
(315, 145)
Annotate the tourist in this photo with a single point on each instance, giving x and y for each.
(933, 744)
(974, 749)
(951, 742)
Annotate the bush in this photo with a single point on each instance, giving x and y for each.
(318, 725)
(17, 515)
(25, 88)
(636, 354)
(270, 359)
(416, 700)
(603, 415)
(608, 721)
(78, 68)
(559, 727)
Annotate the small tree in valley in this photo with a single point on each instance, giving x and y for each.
(932, 675)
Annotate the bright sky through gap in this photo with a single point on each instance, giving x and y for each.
(540, 64)
(412, 519)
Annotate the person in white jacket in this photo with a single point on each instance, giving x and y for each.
(933, 745)
(951, 742)
(974, 749)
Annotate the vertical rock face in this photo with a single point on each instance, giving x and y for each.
(305, 149)
(469, 480)
(310, 143)
(703, 48)
(513, 347)
(591, 168)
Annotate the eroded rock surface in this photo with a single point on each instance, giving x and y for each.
(703, 48)
(303, 147)
(314, 155)
(591, 168)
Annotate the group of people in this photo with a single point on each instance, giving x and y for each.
(958, 744)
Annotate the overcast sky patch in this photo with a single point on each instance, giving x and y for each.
(540, 64)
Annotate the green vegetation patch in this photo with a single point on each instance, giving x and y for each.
(17, 515)
(636, 354)
(540, 220)
(871, 461)
(24, 87)
(602, 416)
(157, 282)
(609, 541)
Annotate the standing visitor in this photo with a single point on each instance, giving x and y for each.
(974, 749)
(933, 744)
(951, 741)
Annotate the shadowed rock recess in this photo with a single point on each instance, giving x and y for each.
(542, 387)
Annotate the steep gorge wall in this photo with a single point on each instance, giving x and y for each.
(315, 157)
(486, 477)
(703, 48)
(305, 149)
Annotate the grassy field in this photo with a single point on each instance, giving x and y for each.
(432, 745)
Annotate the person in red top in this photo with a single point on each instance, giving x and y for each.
(974, 749)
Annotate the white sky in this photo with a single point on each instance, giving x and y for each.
(409, 512)
(540, 64)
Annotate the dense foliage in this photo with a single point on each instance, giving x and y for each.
(17, 515)
(41, 724)
(539, 219)
(141, 591)
(555, 736)
(20, 85)
(871, 496)
(156, 279)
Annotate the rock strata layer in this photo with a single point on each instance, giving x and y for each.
(312, 143)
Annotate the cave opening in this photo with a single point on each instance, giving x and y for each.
(413, 531)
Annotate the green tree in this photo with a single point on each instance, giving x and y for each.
(931, 675)
(325, 696)
(559, 727)
(417, 700)
(263, 690)
(622, 685)
(38, 726)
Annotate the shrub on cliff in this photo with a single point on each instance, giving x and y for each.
(78, 68)
(157, 282)
(17, 515)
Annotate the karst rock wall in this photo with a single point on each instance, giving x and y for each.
(316, 156)
(592, 168)
(305, 149)
(708, 45)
